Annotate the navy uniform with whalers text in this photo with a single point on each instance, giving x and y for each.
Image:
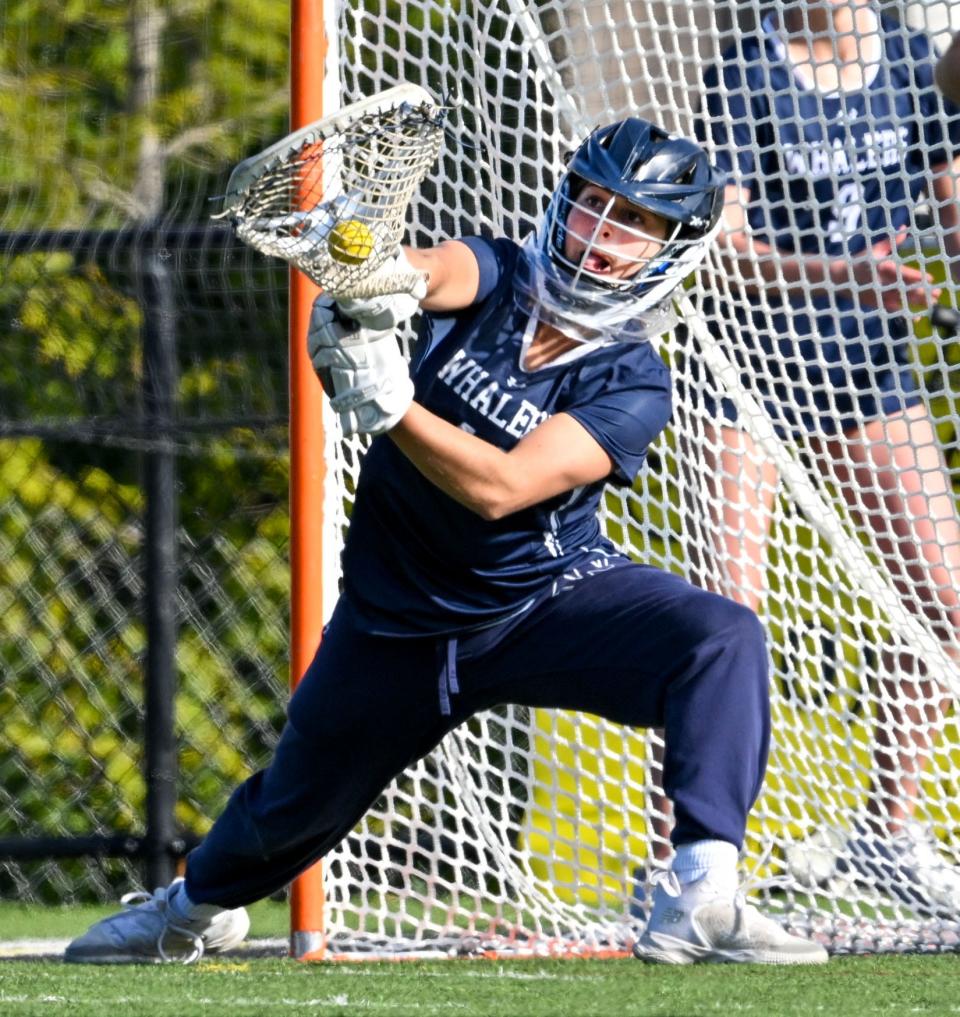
(830, 175)
(444, 613)
(448, 610)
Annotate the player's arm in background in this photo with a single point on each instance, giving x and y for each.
(945, 205)
(877, 278)
(948, 70)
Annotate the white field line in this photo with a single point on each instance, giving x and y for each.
(465, 969)
(258, 1005)
(38, 949)
(12, 948)
(29, 949)
(25, 949)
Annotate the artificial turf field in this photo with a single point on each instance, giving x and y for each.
(258, 986)
(271, 988)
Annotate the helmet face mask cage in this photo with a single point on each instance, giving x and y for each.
(654, 251)
(591, 288)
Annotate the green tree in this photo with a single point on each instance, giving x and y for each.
(117, 111)
(116, 114)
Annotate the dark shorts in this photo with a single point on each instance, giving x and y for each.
(809, 381)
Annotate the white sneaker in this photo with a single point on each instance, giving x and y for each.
(811, 862)
(699, 923)
(906, 866)
(151, 931)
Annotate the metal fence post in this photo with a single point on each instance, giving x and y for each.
(160, 564)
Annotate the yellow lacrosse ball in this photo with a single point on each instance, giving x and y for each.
(350, 242)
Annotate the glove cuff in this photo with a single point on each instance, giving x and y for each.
(388, 310)
(374, 409)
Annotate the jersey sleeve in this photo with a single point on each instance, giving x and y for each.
(495, 259)
(629, 405)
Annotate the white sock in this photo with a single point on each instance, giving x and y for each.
(715, 860)
(180, 904)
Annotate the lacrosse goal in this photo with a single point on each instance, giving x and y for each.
(531, 832)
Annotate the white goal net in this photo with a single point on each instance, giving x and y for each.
(535, 832)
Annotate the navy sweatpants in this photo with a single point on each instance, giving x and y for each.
(633, 644)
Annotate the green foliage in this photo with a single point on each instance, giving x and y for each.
(100, 100)
(58, 691)
(74, 346)
(73, 117)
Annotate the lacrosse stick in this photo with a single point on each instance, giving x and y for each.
(331, 198)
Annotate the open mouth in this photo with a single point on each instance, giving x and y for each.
(596, 263)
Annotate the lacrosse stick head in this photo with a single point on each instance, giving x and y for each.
(331, 198)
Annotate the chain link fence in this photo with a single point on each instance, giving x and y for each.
(129, 395)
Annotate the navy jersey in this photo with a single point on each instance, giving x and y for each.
(416, 561)
(837, 172)
(829, 174)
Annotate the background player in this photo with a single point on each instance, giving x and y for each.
(475, 572)
(836, 131)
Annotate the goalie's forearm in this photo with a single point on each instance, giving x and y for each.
(470, 470)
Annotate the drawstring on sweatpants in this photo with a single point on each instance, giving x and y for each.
(448, 673)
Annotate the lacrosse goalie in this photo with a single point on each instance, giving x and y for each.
(475, 570)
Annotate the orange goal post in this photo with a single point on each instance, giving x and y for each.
(533, 832)
(313, 93)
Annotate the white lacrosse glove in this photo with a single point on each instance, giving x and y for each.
(389, 309)
(362, 370)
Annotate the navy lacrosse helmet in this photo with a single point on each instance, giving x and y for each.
(633, 160)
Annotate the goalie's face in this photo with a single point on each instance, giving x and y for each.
(601, 267)
(608, 238)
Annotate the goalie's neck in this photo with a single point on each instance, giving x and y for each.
(546, 346)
